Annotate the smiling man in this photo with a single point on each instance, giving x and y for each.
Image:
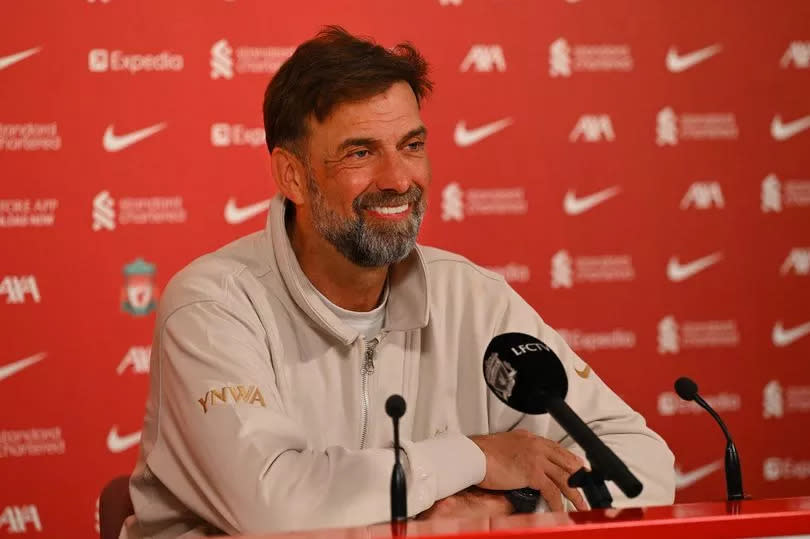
(273, 356)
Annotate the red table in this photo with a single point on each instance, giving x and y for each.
(749, 518)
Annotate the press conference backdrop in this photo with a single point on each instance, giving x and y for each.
(638, 171)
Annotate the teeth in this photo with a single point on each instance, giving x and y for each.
(389, 210)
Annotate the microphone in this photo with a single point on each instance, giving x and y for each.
(526, 375)
(687, 389)
(395, 408)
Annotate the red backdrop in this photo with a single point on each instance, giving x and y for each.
(638, 170)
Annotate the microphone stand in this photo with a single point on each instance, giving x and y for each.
(395, 408)
(734, 487)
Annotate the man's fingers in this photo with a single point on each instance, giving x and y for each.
(564, 458)
(560, 478)
(550, 492)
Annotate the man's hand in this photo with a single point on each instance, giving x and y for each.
(518, 459)
(470, 503)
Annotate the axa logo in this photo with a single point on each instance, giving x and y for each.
(20, 518)
(798, 261)
(139, 294)
(18, 289)
(238, 393)
(484, 58)
(703, 196)
(593, 128)
(797, 55)
(136, 358)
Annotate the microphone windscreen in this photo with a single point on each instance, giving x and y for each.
(521, 370)
(395, 406)
(686, 388)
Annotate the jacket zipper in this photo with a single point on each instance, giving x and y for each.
(365, 372)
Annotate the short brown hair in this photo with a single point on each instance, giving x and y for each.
(332, 68)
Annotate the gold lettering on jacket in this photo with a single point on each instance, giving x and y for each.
(246, 394)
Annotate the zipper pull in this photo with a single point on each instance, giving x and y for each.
(368, 367)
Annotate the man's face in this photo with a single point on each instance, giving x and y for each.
(368, 177)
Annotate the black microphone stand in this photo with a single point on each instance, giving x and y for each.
(734, 487)
(395, 408)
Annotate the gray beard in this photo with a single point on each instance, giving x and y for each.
(363, 243)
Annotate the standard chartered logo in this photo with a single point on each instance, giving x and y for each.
(103, 212)
(221, 60)
(452, 203)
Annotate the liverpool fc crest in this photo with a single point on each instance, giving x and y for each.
(139, 294)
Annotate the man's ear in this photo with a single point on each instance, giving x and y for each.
(289, 174)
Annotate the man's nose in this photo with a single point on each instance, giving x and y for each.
(394, 174)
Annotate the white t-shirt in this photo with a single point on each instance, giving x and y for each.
(367, 323)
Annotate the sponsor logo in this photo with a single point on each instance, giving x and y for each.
(235, 215)
(797, 54)
(464, 137)
(567, 270)
(16, 288)
(687, 479)
(798, 260)
(674, 336)
(32, 442)
(26, 212)
(224, 135)
(778, 400)
(458, 203)
(776, 194)
(116, 143)
(783, 131)
(119, 444)
(565, 59)
(575, 206)
(591, 341)
(157, 210)
(227, 61)
(30, 137)
(19, 517)
(593, 128)
(139, 294)
(677, 272)
(246, 394)
(784, 337)
(671, 128)
(775, 468)
(681, 62)
(16, 366)
(702, 196)
(11, 59)
(512, 272)
(500, 375)
(105, 60)
(484, 58)
(670, 404)
(138, 358)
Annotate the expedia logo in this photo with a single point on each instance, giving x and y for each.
(246, 394)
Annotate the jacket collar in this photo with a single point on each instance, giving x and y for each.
(408, 305)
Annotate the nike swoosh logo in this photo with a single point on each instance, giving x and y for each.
(6, 61)
(681, 62)
(683, 480)
(679, 272)
(118, 444)
(235, 215)
(574, 206)
(781, 131)
(467, 137)
(584, 373)
(784, 337)
(116, 143)
(15, 367)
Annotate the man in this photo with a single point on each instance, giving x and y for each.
(273, 356)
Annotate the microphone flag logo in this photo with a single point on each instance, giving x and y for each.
(500, 375)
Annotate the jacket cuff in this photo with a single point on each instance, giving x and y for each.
(443, 466)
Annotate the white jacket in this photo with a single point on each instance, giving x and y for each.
(263, 413)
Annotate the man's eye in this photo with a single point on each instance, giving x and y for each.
(416, 145)
(359, 153)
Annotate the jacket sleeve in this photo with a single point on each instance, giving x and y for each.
(225, 446)
(621, 428)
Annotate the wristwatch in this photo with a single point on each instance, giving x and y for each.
(524, 500)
